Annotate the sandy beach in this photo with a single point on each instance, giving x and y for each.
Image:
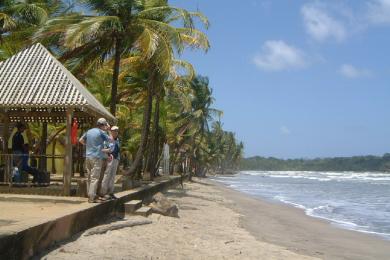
(219, 223)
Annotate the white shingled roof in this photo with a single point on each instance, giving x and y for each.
(33, 78)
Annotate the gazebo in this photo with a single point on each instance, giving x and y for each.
(36, 87)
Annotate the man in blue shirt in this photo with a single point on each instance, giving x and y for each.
(94, 140)
(109, 174)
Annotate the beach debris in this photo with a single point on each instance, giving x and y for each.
(116, 225)
(162, 205)
(183, 207)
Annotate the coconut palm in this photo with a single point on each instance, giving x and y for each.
(177, 81)
(115, 29)
(192, 125)
(124, 30)
(20, 19)
(17, 13)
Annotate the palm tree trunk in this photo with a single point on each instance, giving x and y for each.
(173, 161)
(145, 127)
(42, 158)
(53, 160)
(115, 76)
(155, 139)
(192, 168)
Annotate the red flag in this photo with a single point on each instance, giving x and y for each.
(73, 133)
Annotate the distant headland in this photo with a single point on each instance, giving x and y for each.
(354, 163)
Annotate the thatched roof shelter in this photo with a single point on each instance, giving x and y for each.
(36, 87)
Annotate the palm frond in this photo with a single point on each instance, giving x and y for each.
(166, 31)
(30, 13)
(194, 38)
(147, 42)
(180, 65)
(6, 22)
(91, 28)
(169, 14)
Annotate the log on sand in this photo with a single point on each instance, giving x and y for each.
(116, 225)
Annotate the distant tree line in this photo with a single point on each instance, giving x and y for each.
(355, 163)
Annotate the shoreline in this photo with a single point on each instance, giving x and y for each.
(290, 227)
(333, 222)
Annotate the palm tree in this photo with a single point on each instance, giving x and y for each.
(15, 14)
(115, 29)
(192, 125)
(20, 19)
(179, 78)
(122, 30)
(159, 64)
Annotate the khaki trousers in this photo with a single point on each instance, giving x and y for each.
(94, 168)
(109, 177)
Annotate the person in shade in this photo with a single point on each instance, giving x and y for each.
(94, 140)
(37, 175)
(112, 166)
(18, 139)
(18, 144)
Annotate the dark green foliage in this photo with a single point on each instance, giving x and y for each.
(355, 163)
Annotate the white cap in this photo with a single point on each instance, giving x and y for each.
(102, 121)
(114, 128)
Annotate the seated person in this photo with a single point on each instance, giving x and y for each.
(27, 168)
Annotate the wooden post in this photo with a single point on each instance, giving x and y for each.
(6, 158)
(68, 153)
(42, 158)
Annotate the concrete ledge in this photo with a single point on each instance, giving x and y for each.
(40, 198)
(25, 243)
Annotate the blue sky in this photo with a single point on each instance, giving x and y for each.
(300, 78)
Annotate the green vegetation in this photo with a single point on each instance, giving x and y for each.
(128, 54)
(356, 163)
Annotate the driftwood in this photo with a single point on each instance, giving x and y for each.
(115, 226)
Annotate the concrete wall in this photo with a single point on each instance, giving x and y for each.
(26, 243)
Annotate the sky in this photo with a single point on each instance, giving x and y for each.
(299, 79)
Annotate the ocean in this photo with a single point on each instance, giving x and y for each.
(351, 200)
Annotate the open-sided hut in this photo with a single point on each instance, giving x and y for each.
(36, 87)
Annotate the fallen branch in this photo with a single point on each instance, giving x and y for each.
(117, 225)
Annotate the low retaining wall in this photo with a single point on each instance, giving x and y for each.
(28, 242)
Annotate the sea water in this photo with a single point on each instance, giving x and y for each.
(352, 200)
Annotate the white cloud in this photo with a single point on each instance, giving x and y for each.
(379, 12)
(284, 130)
(331, 20)
(352, 72)
(278, 56)
(320, 25)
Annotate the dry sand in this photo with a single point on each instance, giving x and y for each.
(219, 223)
(206, 229)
